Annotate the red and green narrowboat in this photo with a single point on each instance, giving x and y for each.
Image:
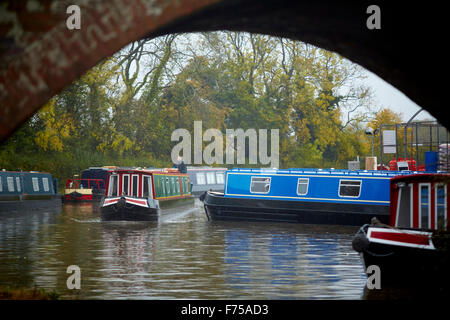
(140, 194)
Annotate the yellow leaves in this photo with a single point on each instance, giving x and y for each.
(56, 129)
(385, 116)
(115, 141)
(302, 133)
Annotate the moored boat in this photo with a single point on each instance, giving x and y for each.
(315, 196)
(140, 194)
(414, 248)
(206, 179)
(25, 191)
(84, 190)
(90, 187)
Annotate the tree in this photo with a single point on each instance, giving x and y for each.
(125, 109)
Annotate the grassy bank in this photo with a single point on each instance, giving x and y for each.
(9, 293)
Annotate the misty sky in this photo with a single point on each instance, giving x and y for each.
(390, 97)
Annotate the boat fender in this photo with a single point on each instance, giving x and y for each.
(121, 203)
(360, 242)
(202, 196)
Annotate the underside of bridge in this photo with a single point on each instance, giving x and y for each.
(40, 55)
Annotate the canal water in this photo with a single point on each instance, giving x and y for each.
(182, 256)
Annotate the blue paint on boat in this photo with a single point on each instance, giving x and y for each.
(313, 196)
(15, 183)
(317, 185)
(31, 190)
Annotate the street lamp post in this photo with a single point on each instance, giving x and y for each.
(371, 132)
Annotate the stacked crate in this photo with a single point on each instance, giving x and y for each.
(444, 157)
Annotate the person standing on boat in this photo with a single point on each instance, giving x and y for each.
(180, 165)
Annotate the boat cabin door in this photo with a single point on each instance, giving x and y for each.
(147, 190)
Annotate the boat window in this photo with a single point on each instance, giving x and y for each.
(163, 184)
(210, 178)
(1, 185)
(220, 177)
(125, 184)
(172, 184)
(146, 187)
(113, 185)
(18, 184)
(441, 209)
(168, 186)
(35, 184)
(350, 188)
(201, 178)
(424, 206)
(135, 179)
(302, 186)
(404, 209)
(10, 182)
(260, 185)
(185, 185)
(45, 183)
(177, 184)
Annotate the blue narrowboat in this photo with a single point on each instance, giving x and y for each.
(316, 196)
(24, 191)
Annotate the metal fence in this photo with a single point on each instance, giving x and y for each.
(416, 141)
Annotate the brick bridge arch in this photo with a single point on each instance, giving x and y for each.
(39, 55)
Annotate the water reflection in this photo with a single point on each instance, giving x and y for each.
(182, 256)
(322, 259)
(237, 259)
(291, 262)
(284, 258)
(125, 258)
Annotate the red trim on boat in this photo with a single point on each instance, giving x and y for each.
(83, 197)
(401, 237)
(111, 201)
(394, 194)
(415, 205)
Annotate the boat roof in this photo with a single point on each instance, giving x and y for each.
(204, 168)
(38, 172)
(331, 171)
(148, 170)
(423, 177)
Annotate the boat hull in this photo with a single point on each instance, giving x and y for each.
(133, 213)
(78, 197)
(37, 203)
(406, 263)
(125, 210)
(218, 207)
